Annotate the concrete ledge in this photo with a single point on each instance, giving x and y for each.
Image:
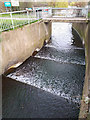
(67, 19)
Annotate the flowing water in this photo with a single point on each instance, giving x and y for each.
(48, 85)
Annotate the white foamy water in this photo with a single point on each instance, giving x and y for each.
(60, 61)
(39, 84)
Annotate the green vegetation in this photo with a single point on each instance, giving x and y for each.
(61, 4)
(5, 15)
(89, 15)
(55, 3)
(78, 4)
(7, 24)
(0, 37)
(17, 15)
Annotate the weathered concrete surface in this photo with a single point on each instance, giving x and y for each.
(67, 19)
(84, 31)
(19, 44)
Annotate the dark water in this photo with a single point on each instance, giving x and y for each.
(48, 85)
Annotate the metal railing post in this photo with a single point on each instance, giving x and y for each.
(28, 16)
(12, 20)
(37, 15)
(86, 13)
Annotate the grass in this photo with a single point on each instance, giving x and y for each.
(8, 15)
(89, 15)
(6, 24)
(18, 15)
(5, 15)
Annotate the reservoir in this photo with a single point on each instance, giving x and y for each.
(49, 84)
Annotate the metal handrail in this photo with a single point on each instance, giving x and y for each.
(13, 12)
(79, 8)
(26, 15)
(13, 19)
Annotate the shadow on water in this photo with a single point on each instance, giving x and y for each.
(48, 85)
(30, 102)
(76, 39)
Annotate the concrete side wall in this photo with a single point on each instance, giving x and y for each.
(84, 31)
(19, 44)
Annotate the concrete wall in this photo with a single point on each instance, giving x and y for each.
(19, 44)
(84, 30)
